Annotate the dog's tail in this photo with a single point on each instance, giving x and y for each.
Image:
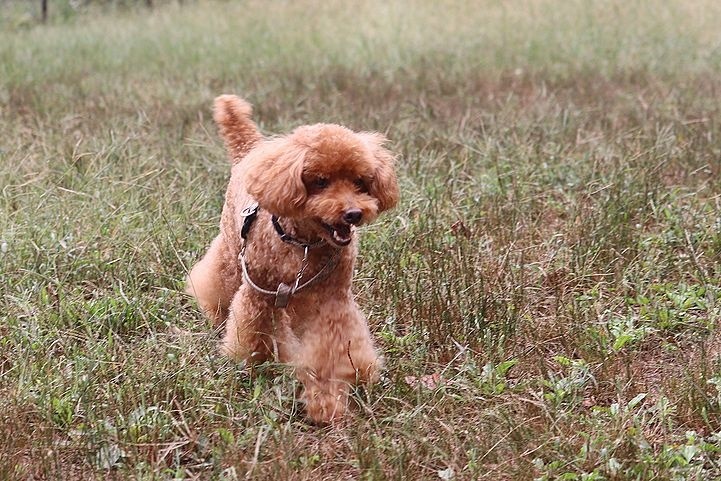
(232, 115)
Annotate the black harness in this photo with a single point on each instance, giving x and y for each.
(251, 214)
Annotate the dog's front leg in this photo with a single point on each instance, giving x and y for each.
(334, 355)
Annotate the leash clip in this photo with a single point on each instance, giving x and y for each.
(282, 296)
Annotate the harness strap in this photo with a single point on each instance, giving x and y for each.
(250, 213)
(285, 237)
(284, 291)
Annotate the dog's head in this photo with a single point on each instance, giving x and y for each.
(326, 174)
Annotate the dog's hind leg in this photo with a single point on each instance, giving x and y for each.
(248, 330)
(214, 280)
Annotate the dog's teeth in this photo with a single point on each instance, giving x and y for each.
(339, 238)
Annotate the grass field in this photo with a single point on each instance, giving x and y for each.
(546, 295)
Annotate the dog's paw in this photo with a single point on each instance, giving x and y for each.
(324, 407)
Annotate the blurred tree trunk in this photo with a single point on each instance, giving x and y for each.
(44, 10)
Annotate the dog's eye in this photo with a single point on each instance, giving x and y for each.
(361, 185)
(320, 183)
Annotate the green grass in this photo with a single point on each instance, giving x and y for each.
(555, 260)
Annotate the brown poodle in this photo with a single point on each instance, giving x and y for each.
(279, 273)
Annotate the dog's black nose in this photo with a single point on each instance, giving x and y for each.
(352, 216)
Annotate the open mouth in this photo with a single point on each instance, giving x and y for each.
(341, 234)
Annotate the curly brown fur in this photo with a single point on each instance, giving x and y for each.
(322, 180)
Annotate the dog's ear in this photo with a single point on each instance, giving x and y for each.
(384, 186)
(275, 176)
